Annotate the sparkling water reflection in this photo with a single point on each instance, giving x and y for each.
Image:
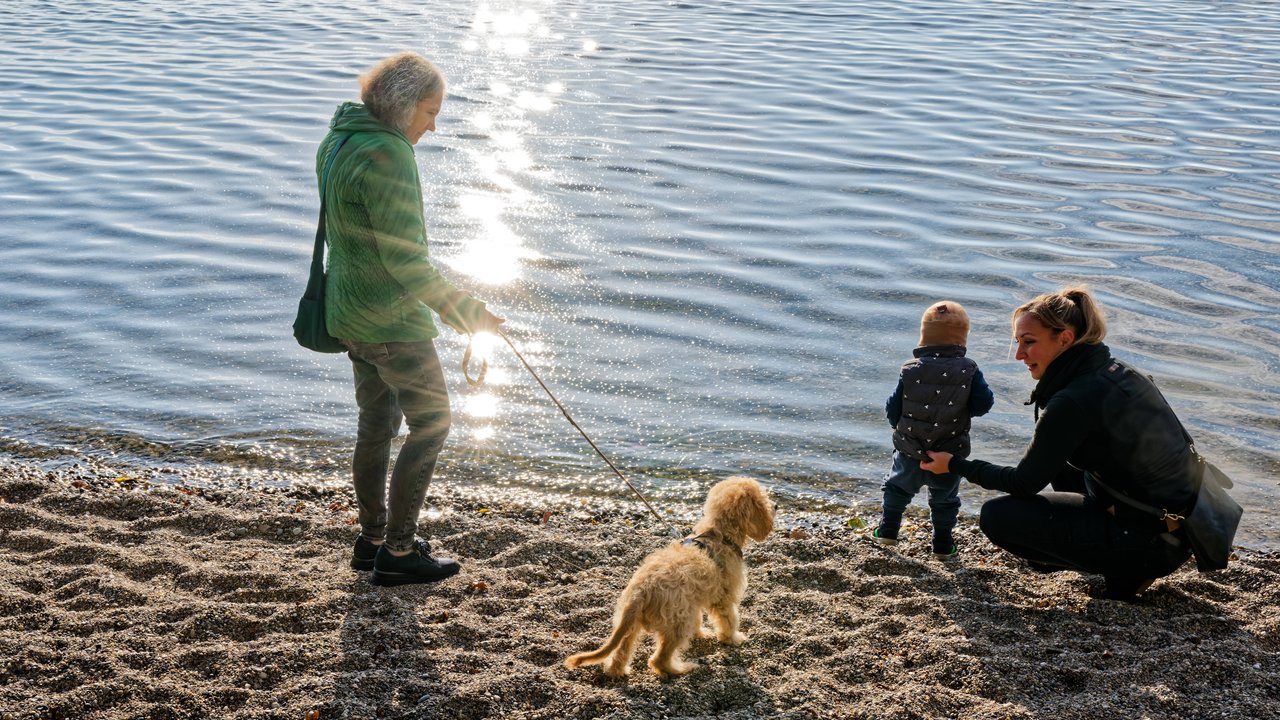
(712, 226)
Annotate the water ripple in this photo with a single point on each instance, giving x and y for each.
(718, 222)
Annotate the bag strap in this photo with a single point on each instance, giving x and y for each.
(1191, 442)
(315, 282)
(1131, 502)
(1138, 504)
(1203, 461)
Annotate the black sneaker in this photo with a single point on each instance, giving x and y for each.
(362, 555)
(416, 567)
(884, 537)
(944, 548)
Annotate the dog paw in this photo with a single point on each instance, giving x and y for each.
(675, 669)
(735, 639)
(615, 671)
(704, 633)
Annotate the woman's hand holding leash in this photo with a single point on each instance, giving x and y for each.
(490, 323)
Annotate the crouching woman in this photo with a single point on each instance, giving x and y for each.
(1102, 427)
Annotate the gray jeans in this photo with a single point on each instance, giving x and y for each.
(393, 381)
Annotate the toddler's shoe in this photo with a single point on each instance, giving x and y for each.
(884, 537)
(945, 548)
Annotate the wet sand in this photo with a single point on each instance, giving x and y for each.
(138, 594)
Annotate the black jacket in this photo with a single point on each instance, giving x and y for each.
(1097, 414)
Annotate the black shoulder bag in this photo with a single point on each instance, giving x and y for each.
(309, 326)
(1211, 524)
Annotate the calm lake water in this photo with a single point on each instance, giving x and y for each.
(712, 226)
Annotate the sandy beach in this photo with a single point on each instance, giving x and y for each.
(138, 594)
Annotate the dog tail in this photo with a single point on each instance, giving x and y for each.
(625, 626)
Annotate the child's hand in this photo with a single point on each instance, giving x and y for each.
(938, 462)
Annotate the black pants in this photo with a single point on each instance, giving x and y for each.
(1070, 531)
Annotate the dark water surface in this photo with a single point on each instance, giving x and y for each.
(713, 226)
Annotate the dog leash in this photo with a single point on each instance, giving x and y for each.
(479, 379)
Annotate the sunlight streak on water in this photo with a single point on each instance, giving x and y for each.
(712, 226)
(494, 257)
(483, 405)
(505, 31)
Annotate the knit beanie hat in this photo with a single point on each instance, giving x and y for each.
(944, 323)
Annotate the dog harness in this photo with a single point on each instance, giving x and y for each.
(703, 543)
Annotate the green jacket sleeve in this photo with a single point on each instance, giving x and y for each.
(393, 198)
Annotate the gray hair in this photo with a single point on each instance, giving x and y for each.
(395, 86)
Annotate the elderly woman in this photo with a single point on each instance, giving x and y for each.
(382, 289)
(1098, 421)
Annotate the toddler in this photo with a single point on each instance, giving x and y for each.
(938, 392)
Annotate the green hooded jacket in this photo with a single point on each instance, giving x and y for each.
(381, 285)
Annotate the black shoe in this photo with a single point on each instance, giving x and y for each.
(887, 538)
(1125, 589)
(944, 548)
(362, 555)
(416, 567)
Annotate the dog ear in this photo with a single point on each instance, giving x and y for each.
(762, 518)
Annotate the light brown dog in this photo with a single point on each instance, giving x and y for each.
(674, 585)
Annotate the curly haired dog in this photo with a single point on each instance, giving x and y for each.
(674, 585)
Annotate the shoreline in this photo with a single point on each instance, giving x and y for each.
(120, 598)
